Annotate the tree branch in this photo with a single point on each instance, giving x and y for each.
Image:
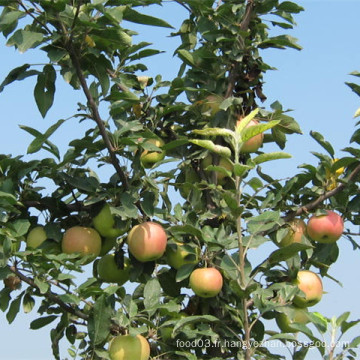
(96, 116)
(314, 204)
(50, 295)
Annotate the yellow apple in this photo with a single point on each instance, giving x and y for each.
(206, 282)
(149, 158)
(181, 255)
(36, 237)
(311, 285)
(108, 271)
(127, 347)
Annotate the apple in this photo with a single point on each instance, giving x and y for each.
(108, 270)
(296, 316)
(128, 347)
(12, 282)
(82, 240)
(212, 104)
(254, 143)
(181, 255)
(325, 229)
(206, 282)
(311, 285)
(223, 162)
(36, 237)
(149, 158)
(104, 223)
(147, 241)
(297, 228)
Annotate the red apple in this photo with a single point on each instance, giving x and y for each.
(206, 282)
(296, 229)
(311, 285)
(325, 229)
(128, 347)
(147, 241)
(254, 143)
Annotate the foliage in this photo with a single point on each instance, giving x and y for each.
(91, 45)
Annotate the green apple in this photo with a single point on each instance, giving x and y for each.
(179, 254)
(311, 285)
(295, 316)
(211, 104)
(128, 347)
(108, 271)
(296, 229)
(36, 237)
(104, 223)
(82, 240)
(206, 282)
(223, 162)
(149, 158)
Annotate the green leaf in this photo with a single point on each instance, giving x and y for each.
(214, 132)
(14, 309)
(254, 130)
(100, 320)
(240, 169)
(184, 272)
(217, 149)
(138, 18)
(41, 322)
(280, 42)
(42, 285)
(187, 57)
(357, 113)
(70, 298)
(4, 298)
(152, 294)
(18, 73)
(25, 39)
(287, 252)
(291, 7)
(354, 87)
(355, 342)
(194, 319)
(41, 138)
(270, 156)
(321, 141)
(44, 90)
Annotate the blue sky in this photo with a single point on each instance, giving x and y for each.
(311, 82)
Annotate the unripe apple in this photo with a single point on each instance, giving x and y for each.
(325, 229)
(128, 347)
(206, 282)
(82, 240)
(147, 241)
(254, 143)
(149, 158)
(107, 244)
(212, 103)
(223, 162)
(296, 316)
(181, 255)
(108, 271)
(297, 228)
(104, 223)
(311, 285)
(36, 237)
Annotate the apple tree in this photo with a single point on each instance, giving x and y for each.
(188, 154)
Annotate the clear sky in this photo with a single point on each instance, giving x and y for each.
(311, 82)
